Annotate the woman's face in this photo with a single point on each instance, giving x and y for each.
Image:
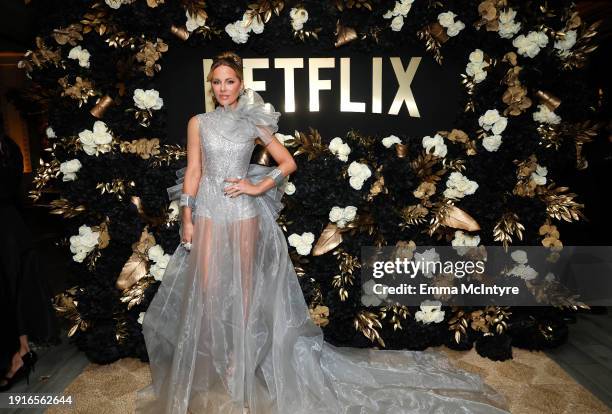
(226, 85)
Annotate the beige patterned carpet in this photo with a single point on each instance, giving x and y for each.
(531, 382)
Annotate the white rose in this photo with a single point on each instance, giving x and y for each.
(157, 272)
(297, 25)
(339, 148)
(477, 56)
(437, 142)
(488, 119)
(519, 256)
(396, 9)
(472, 68)
(148, 99)
(88, 238)
(69, 169)
(446, 19)
(545, 115)
(79, 257)
(299, 16)
(370, 300)
(336, 213)
(50, 133)
(83, 243)
(430, 312)
(508, 30)
(256, 26)
(540, 170)
(368, 287)
(539, 38)
(356, 182)
(350, 212)
(397, 23)
(174, 210)
(525, 272)
(358, 173)
(303, 243)
(462, 241)
(480, 76)
(82, 55)
(193, 22)
(567, 41)
(97, 140)
(163, 261)
(428, 256)
(539, 175)
(500, 125)
(237, 32)
(455, 28)
(114, 4)
(390, 140)
(155, 253)
(458, 186)
(75, 244)
(492, 142)
(86, 137)
(343, 152)
(101, 135)
(475, 70)
(507, 16)
(531, 44)
(357, 169)
(403, 8)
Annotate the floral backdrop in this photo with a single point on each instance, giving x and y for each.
(495, 178)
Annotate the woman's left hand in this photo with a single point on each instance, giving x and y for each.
(240, 186)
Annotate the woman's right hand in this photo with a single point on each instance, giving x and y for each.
(187, 231)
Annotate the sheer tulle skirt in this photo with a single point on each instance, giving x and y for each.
(229, 327)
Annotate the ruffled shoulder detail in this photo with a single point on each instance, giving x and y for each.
(244, 123)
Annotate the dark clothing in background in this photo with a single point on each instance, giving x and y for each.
(25, 301)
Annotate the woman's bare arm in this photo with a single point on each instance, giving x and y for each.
(193, 172)
(281, 155)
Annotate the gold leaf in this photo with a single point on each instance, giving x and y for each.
(133, 270)
(330, 238)
(367, 323)
(506, 227)
(459, 219)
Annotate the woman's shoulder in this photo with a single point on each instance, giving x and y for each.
(199, 118)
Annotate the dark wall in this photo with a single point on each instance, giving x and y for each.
(15, 26)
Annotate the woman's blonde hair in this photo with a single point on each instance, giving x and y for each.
(229, 59)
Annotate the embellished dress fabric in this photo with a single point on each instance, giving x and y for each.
(229, 327)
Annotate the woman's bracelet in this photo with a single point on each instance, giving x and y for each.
(277, 175)
(187, 200)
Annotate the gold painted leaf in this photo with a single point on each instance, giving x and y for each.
(330, 238)
(133, 270)
(459, 219)
(73, 330)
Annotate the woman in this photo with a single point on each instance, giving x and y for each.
(229, 330)
(25, 301)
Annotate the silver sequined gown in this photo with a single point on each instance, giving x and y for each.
(229, 326)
